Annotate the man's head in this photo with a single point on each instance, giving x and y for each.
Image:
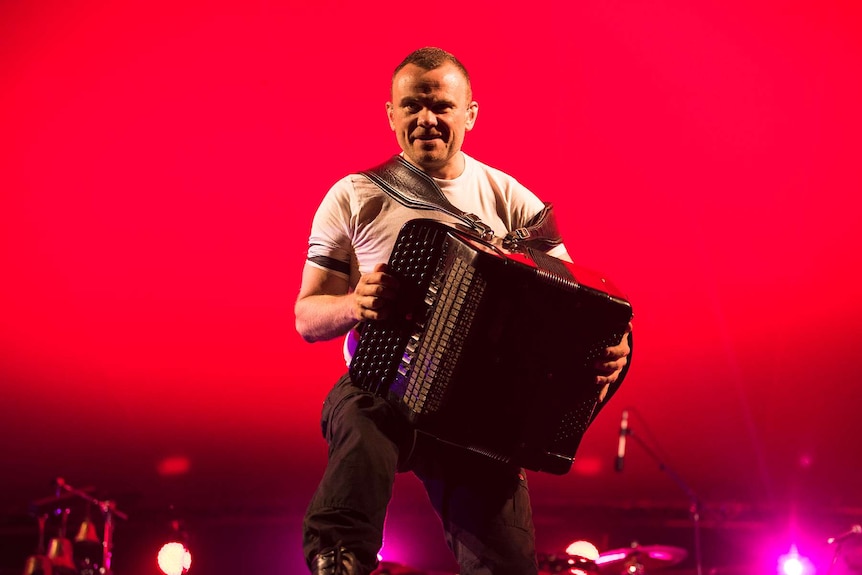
(429, 58)
(431, 109)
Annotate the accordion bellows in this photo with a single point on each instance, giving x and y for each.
(491, 351)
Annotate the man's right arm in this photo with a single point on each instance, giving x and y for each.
(327, 308)
(324, 308)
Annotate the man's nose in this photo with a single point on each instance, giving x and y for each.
(427, 118)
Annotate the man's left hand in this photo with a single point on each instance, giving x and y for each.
(609, 367)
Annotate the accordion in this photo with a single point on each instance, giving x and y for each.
(489, 350)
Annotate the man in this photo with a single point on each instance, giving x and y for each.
(483, 504)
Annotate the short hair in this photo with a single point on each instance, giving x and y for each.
(430, 58)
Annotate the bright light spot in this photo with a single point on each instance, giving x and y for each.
(794, 564)
(174, 559)
(583, 549)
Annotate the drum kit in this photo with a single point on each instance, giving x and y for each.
(86, 554)
(634, 560)
(639, 559)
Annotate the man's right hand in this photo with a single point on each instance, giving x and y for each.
(327, 308)
(375, 294)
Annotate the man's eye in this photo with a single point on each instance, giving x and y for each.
(412, 108)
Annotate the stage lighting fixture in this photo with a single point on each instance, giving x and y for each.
(174, 557)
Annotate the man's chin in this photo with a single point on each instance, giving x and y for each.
(427, 159)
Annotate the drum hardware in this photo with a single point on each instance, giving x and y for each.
(39, 563)
(566, 563)
(87, 548)
(639, 559)
(87, 532)
(109, 511)
(87, 555)
(60, 548)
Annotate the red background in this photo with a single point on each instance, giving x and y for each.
(160, 163)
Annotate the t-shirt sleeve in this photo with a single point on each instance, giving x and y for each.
(329, 243)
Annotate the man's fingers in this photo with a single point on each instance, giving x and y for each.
(608, 367)
(380, 290)
(374, 302)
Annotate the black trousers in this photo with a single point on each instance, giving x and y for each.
(484, 506)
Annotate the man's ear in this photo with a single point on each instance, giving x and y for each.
(390, 114)
(472, 112)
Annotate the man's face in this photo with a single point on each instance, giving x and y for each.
(430, 112)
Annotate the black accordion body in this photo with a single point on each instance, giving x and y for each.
(491, 351)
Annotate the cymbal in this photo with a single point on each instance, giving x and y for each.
(649, 556)
(392, 568)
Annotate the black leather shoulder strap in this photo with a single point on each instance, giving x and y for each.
(415, 189)
(540, 233)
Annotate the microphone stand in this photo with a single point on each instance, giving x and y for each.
(838, 541)
(694, 501)
(835, 555)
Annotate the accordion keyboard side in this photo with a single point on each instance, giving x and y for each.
(415, 258)
(430, 361)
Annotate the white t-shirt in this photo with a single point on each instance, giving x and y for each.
(357, 223)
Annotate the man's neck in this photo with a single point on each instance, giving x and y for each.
(453, 168)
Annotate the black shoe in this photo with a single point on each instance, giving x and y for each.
(335, 561)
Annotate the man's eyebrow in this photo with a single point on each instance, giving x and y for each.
(426, 100)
